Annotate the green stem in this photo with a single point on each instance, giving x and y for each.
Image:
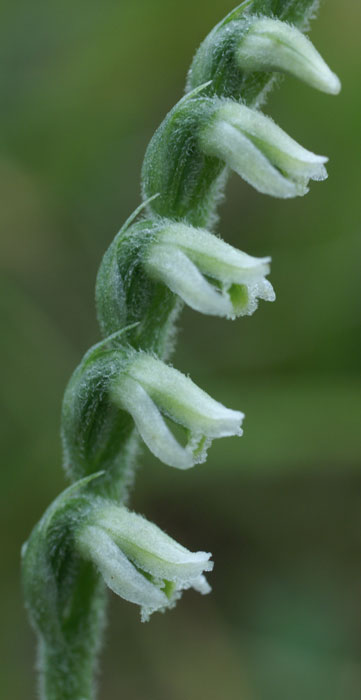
(63, 676)
(68, 657)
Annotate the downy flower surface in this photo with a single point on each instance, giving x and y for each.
(183, 257)
(140, 562)
(149, 388)
(260, 151)
(274, 45)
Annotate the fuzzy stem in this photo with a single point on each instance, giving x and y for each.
(63, 676)
(68, 659)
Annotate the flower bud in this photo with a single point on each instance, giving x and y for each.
(274, 45)
(149, 388)
(183, 257)
(260, 152)
(138, 561)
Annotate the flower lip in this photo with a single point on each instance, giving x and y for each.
(271, 44)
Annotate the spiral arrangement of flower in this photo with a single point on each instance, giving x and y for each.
(123, 390)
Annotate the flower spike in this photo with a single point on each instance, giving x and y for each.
(260, 152)
(183, 257)
(274, 45)
(122, 389)
(138, 561)
(149, 388)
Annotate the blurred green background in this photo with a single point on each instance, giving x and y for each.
(83, 87)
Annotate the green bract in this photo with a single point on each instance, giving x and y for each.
(123, 390)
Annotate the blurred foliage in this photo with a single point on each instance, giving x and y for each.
(84, 86)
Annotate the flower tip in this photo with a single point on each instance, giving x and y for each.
(231, 423)
(299, 190)
(321, 173)
(324, 79)
(320, 159)
(201, 585)
(202, 560)
(265, 291)
(314, 167)
(333, 85)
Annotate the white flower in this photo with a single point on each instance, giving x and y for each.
(260, 152)
(183, 257)
(149, 388)
(138, 561)
(274, 45)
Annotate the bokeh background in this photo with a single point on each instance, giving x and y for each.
(84, 85)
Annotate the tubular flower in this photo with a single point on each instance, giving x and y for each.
(150, 388)
(138, 561)
(183, 257)
(274, 45)
(260, 152)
